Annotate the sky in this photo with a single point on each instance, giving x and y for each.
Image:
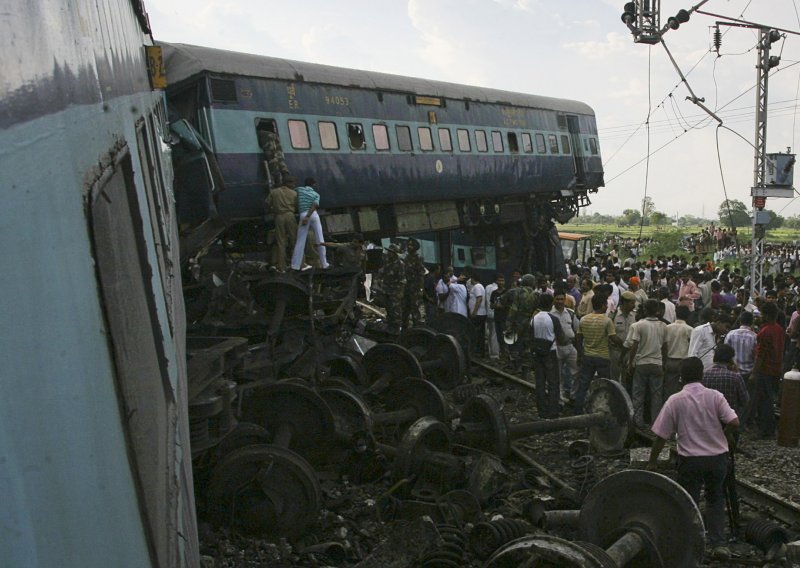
(576, 49)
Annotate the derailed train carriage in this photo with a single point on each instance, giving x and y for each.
(94, 463)
(480, 175)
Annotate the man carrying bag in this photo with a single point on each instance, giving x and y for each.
(547, 335)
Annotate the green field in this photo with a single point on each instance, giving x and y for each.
(667, 239)
(773, 235)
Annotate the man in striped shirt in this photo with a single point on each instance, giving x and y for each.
(595, 332)
(722, 376)
(307, 205)
(743, 341)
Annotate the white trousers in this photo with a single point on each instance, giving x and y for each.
(302, 234)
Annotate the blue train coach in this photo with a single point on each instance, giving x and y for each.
(392, 155)
(95, 464)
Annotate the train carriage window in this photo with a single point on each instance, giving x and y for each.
(355, 134)
(425, 138)
(445, 142)
(565, 144)
(480, 141)
(298, 134)
(463, 140)
(552, 140)
(527, 143)
(593, 146)
(540, 145)
(404, 138)
(497, 141)
(586, 144)
(381, 135)
(328, 136)
(513, 145)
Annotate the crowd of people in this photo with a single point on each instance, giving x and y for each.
(698, 355)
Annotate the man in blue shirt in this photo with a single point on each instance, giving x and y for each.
(307, 205)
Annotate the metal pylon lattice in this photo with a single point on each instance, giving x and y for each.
(759, 161)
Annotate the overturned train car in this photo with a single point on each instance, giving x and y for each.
(95, 468)
(481, 174)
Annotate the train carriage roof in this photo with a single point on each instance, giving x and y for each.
(184, 61)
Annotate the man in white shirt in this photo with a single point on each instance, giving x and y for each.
(704, 339)
(567, 353)
(611, 280)
(443, 288)
(494, 341)
(476, 310)
(457, 298)
(545, 359)
(669, 307)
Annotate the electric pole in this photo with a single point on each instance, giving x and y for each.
(772, 173)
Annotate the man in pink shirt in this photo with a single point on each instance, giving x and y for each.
(696, 415)
(688, 291)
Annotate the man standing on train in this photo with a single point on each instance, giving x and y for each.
(307, 204)
(282, 203)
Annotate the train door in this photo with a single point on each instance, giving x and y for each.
(270, 143)
(577, 151)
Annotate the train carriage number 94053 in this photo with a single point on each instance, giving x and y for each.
(336, 100)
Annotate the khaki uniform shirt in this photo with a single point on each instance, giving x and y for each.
(282, 200)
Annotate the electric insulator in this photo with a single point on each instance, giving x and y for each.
(717, 39)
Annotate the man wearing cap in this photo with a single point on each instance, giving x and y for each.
(635, 287)
(307, 205)
(521, 303)
(393, 283)
(282, 203)
(415, 282)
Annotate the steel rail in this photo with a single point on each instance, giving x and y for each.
(755, 495)
(503, 374)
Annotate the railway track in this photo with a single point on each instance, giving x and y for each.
(754, 495)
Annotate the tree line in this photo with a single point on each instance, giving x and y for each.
(731, 213)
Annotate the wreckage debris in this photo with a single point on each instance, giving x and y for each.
(335, 421)
(483, 424)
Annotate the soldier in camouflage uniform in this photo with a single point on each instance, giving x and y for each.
(521, 303)
(273, 152)
(393, 284)
(415, 280)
